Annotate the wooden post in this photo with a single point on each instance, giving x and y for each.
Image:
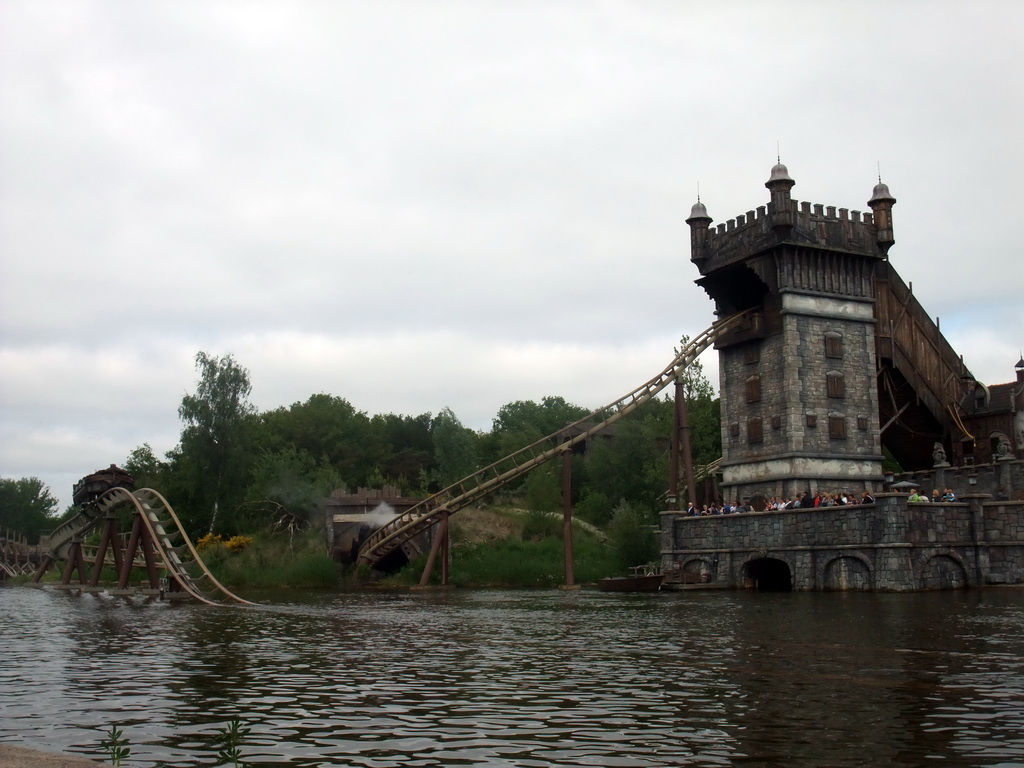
(44, 566)
(570, 579)
(445, 551)
(684, 427)
(129, 553)
(76, 562)
(108, 537)
(149, 553)
(673, 470)
(435, 546)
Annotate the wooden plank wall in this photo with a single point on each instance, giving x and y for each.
(912, 342)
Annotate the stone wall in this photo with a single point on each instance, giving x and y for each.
(784, 429)
(891, 545)
(1003, 479)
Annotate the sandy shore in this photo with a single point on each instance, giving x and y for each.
(19, 757)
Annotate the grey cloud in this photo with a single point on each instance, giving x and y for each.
(502, 186)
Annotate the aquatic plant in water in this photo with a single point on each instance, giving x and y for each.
(229, 741)
(115, 745)
(231, 738)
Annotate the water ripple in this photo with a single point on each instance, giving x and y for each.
(502, 678)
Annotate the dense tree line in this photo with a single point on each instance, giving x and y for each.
(236, 469)
(26, 507)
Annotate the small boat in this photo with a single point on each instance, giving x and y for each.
(641, 578)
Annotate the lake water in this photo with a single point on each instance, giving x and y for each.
(522, 678)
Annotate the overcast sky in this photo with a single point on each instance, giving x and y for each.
(414, 205)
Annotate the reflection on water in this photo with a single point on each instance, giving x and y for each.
(507, 678)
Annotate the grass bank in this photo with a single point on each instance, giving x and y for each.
(273, 561)
(509, 547)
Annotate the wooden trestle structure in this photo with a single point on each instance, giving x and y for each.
(157, 542)
(16, 555)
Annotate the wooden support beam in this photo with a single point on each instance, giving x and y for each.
(148, 553)
(570, 576)
(129, 553)
(108, 537)
(440, 535)
(445, 550)
(890, 422)
(684, 427)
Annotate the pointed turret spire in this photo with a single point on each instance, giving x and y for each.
(699, 222)
(781, 209)
(881, 203)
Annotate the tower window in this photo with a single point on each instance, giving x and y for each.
(837, 427)
(755, 433)
(835, 384)
(753, 389)
(834, 346)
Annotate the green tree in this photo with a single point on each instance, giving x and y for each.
(523, 422)
(330, 430)
(632, 536)
(594, 506)
(703, 412)
(705, 417)
(695, 383)
(540, 419)
(631, 463)
(455, 453)
(285, 491)
(27, 507)
(408, 450)
(542, 489)
(214, 449)
(144, 467)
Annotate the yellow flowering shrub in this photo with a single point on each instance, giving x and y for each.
(238, 543)
(209, 540)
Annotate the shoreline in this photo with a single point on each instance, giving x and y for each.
(12, 756)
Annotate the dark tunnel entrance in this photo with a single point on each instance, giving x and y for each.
(769, 575)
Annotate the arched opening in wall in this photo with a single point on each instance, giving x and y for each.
(942, 572)
(847, 574)
(766, 574)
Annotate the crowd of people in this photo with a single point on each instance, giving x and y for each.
(946, 495)
(725, 508)
(807, 501)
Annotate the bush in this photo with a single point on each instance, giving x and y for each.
(519, 563)
(594, 507)
(539, 525)
(543, 490)
(265, 561)
(209, 541)
(238, 543)
(632, 537)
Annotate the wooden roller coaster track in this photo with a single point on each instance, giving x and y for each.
(472, 488)
(187, 573)
(176, 550)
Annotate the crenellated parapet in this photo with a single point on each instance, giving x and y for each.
(787, 221)
(814, 224)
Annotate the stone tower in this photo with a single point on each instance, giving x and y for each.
(798, 382)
